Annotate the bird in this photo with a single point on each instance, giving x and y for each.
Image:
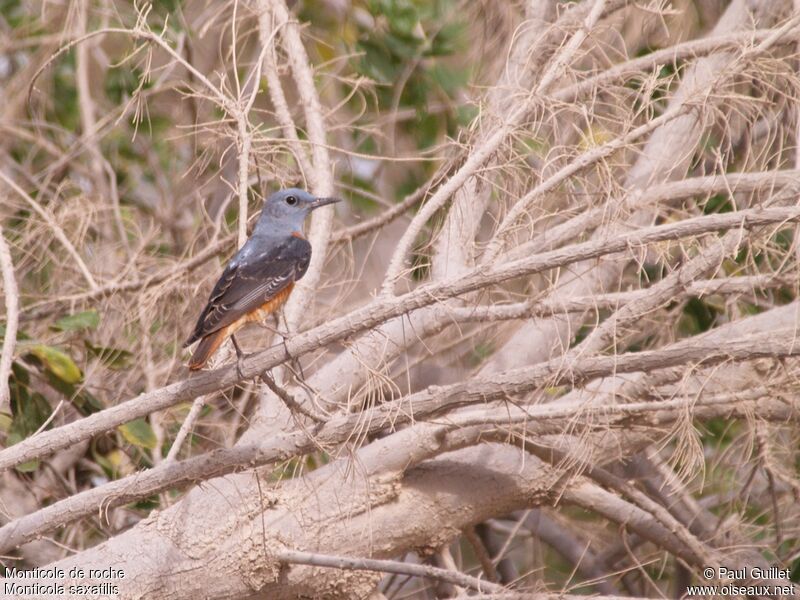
(258, 280)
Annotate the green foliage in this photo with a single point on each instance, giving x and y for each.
(167, 7)
(113, 358)
(139, 433)
(427, 127)
(408, 53)
(466, 114)
(794, 575)
(30, 409)
(783, 239)
(58, 363)
(65, 94)
(56, 368)
(121, 83)
(718, 432)
(88, 319)
(146, 505)
(480, 352)
(106, 463)
(12, 13)
(21, 335)
(698, 316)
(719, 203)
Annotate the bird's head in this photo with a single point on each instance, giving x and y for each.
(286, 210)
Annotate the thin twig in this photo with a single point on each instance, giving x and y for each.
(186, 427)
(289, 400)
(139, 32)
(550, 307)
(481, 552)
(11, 294)
(387, 566)
(672, 55)
(266, 31)
(55, 227)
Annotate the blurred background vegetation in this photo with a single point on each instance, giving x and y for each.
(125, 152)
(123, 149)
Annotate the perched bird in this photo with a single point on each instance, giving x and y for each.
(260, 277)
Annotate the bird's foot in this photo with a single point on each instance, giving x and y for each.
(269, 328)
(239, 365)
(274, 330)
(240, 356)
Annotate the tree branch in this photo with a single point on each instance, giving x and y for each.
(387, 566)
(11, 294)
(367, 317)
(432, 403)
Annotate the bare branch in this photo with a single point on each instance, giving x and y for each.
(11, 294)
(387, 566)
(186, 428)
(433, 402)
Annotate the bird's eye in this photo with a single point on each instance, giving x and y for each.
(291, 200)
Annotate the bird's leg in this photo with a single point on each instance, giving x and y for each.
(273, 329)
(276, 331)
(239, 356)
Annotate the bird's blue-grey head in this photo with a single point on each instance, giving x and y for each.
(285, 211)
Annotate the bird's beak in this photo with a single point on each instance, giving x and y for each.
(324, 202)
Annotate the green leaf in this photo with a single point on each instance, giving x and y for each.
(88, 319)
(139, 433)
(113, 358)
(377, 63)
(450, 39)
(21, 335)
(427, 128)
(30, 412)
(111, 463)
(466, 113)
(448, 78)
(20, 373)
(104, 463)
(57, 362)
(29, 466)
(89, 401)
(12, 13)
(401, 47)
(59, 385)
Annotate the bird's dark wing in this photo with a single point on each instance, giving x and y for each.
(249, 281)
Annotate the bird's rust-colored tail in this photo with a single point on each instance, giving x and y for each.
(205, 348)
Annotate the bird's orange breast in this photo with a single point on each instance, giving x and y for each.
(260, 314)
(210, 343)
